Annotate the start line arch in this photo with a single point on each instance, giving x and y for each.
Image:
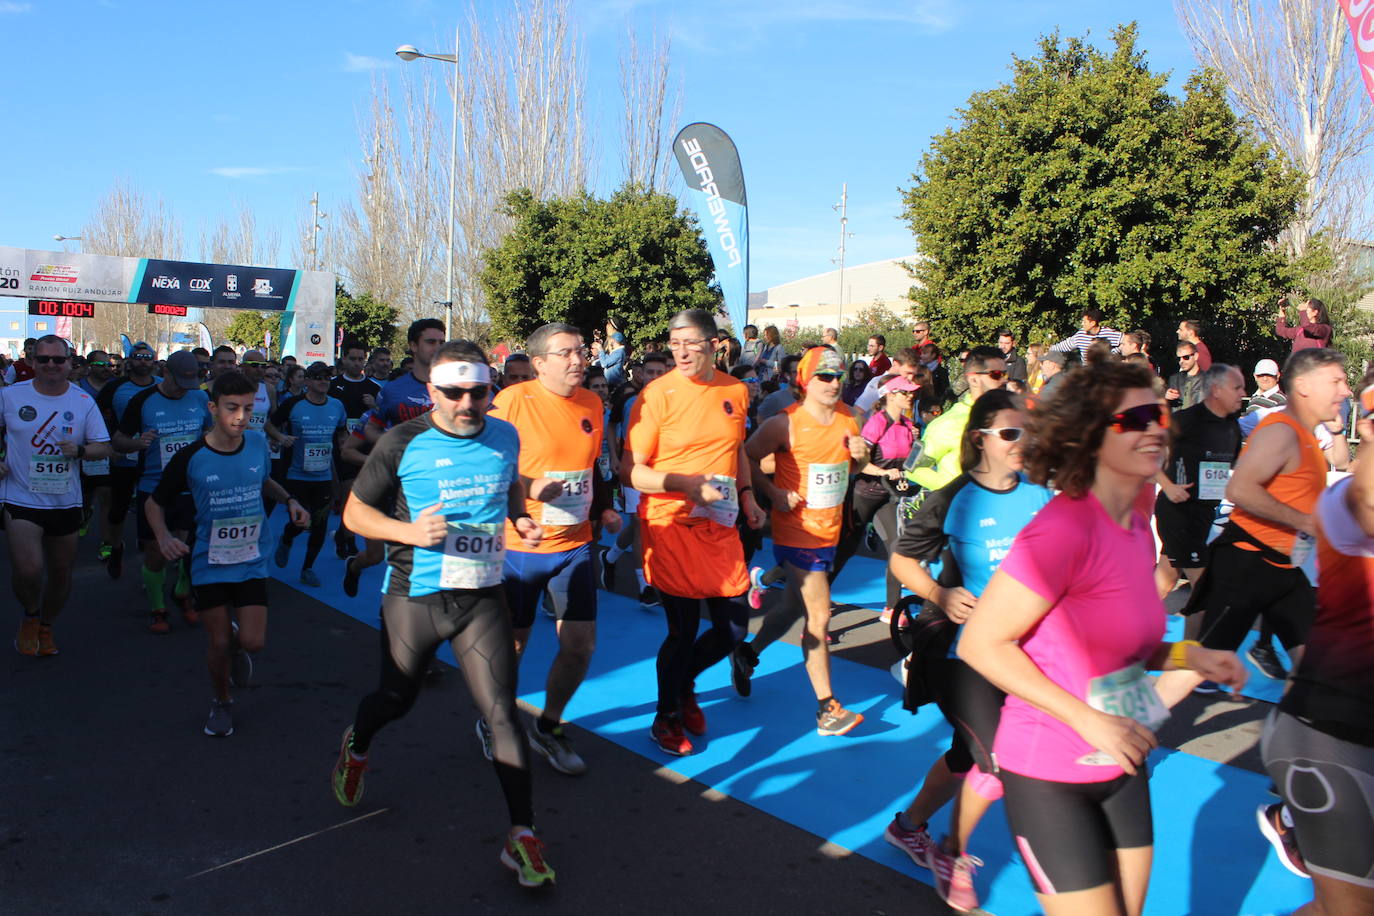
(60, 284)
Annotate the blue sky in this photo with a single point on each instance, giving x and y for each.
(211, 105)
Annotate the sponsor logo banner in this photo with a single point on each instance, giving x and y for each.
(715, 181)
(196, 285)
(1360, 15)
(35, 274)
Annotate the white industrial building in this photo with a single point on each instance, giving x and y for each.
(819, 302)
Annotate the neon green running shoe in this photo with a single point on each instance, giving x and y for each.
(524, 855)
(347, 777)
(104, 552)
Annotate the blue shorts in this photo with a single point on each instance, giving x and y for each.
(810, 559)
(569, 577)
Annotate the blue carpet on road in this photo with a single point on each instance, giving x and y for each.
(764, 751)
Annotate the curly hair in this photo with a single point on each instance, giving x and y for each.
(1067, 430)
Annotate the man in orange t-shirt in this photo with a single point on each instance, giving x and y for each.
(560, 426)
(815, 444)
(685, 454)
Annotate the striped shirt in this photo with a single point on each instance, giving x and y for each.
(1082, 340)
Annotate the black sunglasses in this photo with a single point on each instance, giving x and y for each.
(454, 393)
(1138, 419)
(44, 360)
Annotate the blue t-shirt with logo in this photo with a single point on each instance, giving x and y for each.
(315, 428)
(417, 465)
(115, 397)
(402, 399)
(179, 422)
(232, 539)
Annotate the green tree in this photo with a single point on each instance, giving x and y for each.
(248, 326)
(363, 318)
(635, 259)
(1084, 183)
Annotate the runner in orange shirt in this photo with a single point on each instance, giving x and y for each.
(685, 454)
(816, 444)
(560, 425)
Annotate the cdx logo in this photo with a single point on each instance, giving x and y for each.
(199, 284)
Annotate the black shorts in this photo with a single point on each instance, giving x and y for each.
(973, 706)
(1239, 586)
(123, 483)
(1068, 832)
(1183, 529)
(55, 523)
(568, 576)
(413, 627)
(314, 495)
(248, 593)
(180, 516)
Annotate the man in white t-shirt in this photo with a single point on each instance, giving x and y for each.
(50, 426)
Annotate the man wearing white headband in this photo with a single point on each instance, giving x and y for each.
(439, 489)
(561, 428)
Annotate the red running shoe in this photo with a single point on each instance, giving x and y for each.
(693, 719)
(668, 735)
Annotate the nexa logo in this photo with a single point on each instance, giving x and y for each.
(200, 285)
(166, 282)
(725, 235)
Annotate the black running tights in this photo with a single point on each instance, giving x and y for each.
(683, 654)
(477, 625)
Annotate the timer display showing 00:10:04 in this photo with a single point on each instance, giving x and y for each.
(61, 308)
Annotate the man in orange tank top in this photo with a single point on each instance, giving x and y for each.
(560, 426)
(685, 454)
(1252, 567)
(815, 444)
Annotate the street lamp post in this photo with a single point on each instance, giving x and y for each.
(409, 53)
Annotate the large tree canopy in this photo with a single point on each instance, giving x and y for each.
(635, 259)
(363, 318)
(1084, 183)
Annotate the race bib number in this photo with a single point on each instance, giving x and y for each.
(50, 474)
(168, 446)
(725, 510)
(96, 468)
(1126, 692)
(575, 502)
(257, 421)
(826, 485)
(1212, 478)
(473, 556)
(1303, 545)
(234, 540)
(316, 457)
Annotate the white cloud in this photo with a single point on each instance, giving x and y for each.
(8, 7)
(252, 171)
(357, 63)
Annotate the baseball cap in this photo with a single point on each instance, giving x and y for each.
(900, 383)
(1059, 359)
(618, 337)
(1267, 367)
(817, 360)
(184, 369)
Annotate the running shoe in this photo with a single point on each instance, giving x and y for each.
(524, 855)
(160, 623)
(954, 878)
(115, 564)
(310, 577)
(1273, 824)
(743, 661)
(188, 609)
(607, 571)
(347, 777)
(283, 553)
(885, 618)
(649, 597)
(484, 736)
(836, 720)
(667, 733)
(45, 644)
(221, 721)
(350, 580)
(693, 719)
(26, 641)
(557, 748)
(915, 843)
(756, 587)
(1267, 661)
(103, 552)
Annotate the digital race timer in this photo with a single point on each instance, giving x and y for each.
(61, 308)
(162, 308)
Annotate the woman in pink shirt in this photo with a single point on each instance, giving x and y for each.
(1074, 624)
(1314, 327)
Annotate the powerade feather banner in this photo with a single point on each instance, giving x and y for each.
(715, 182)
